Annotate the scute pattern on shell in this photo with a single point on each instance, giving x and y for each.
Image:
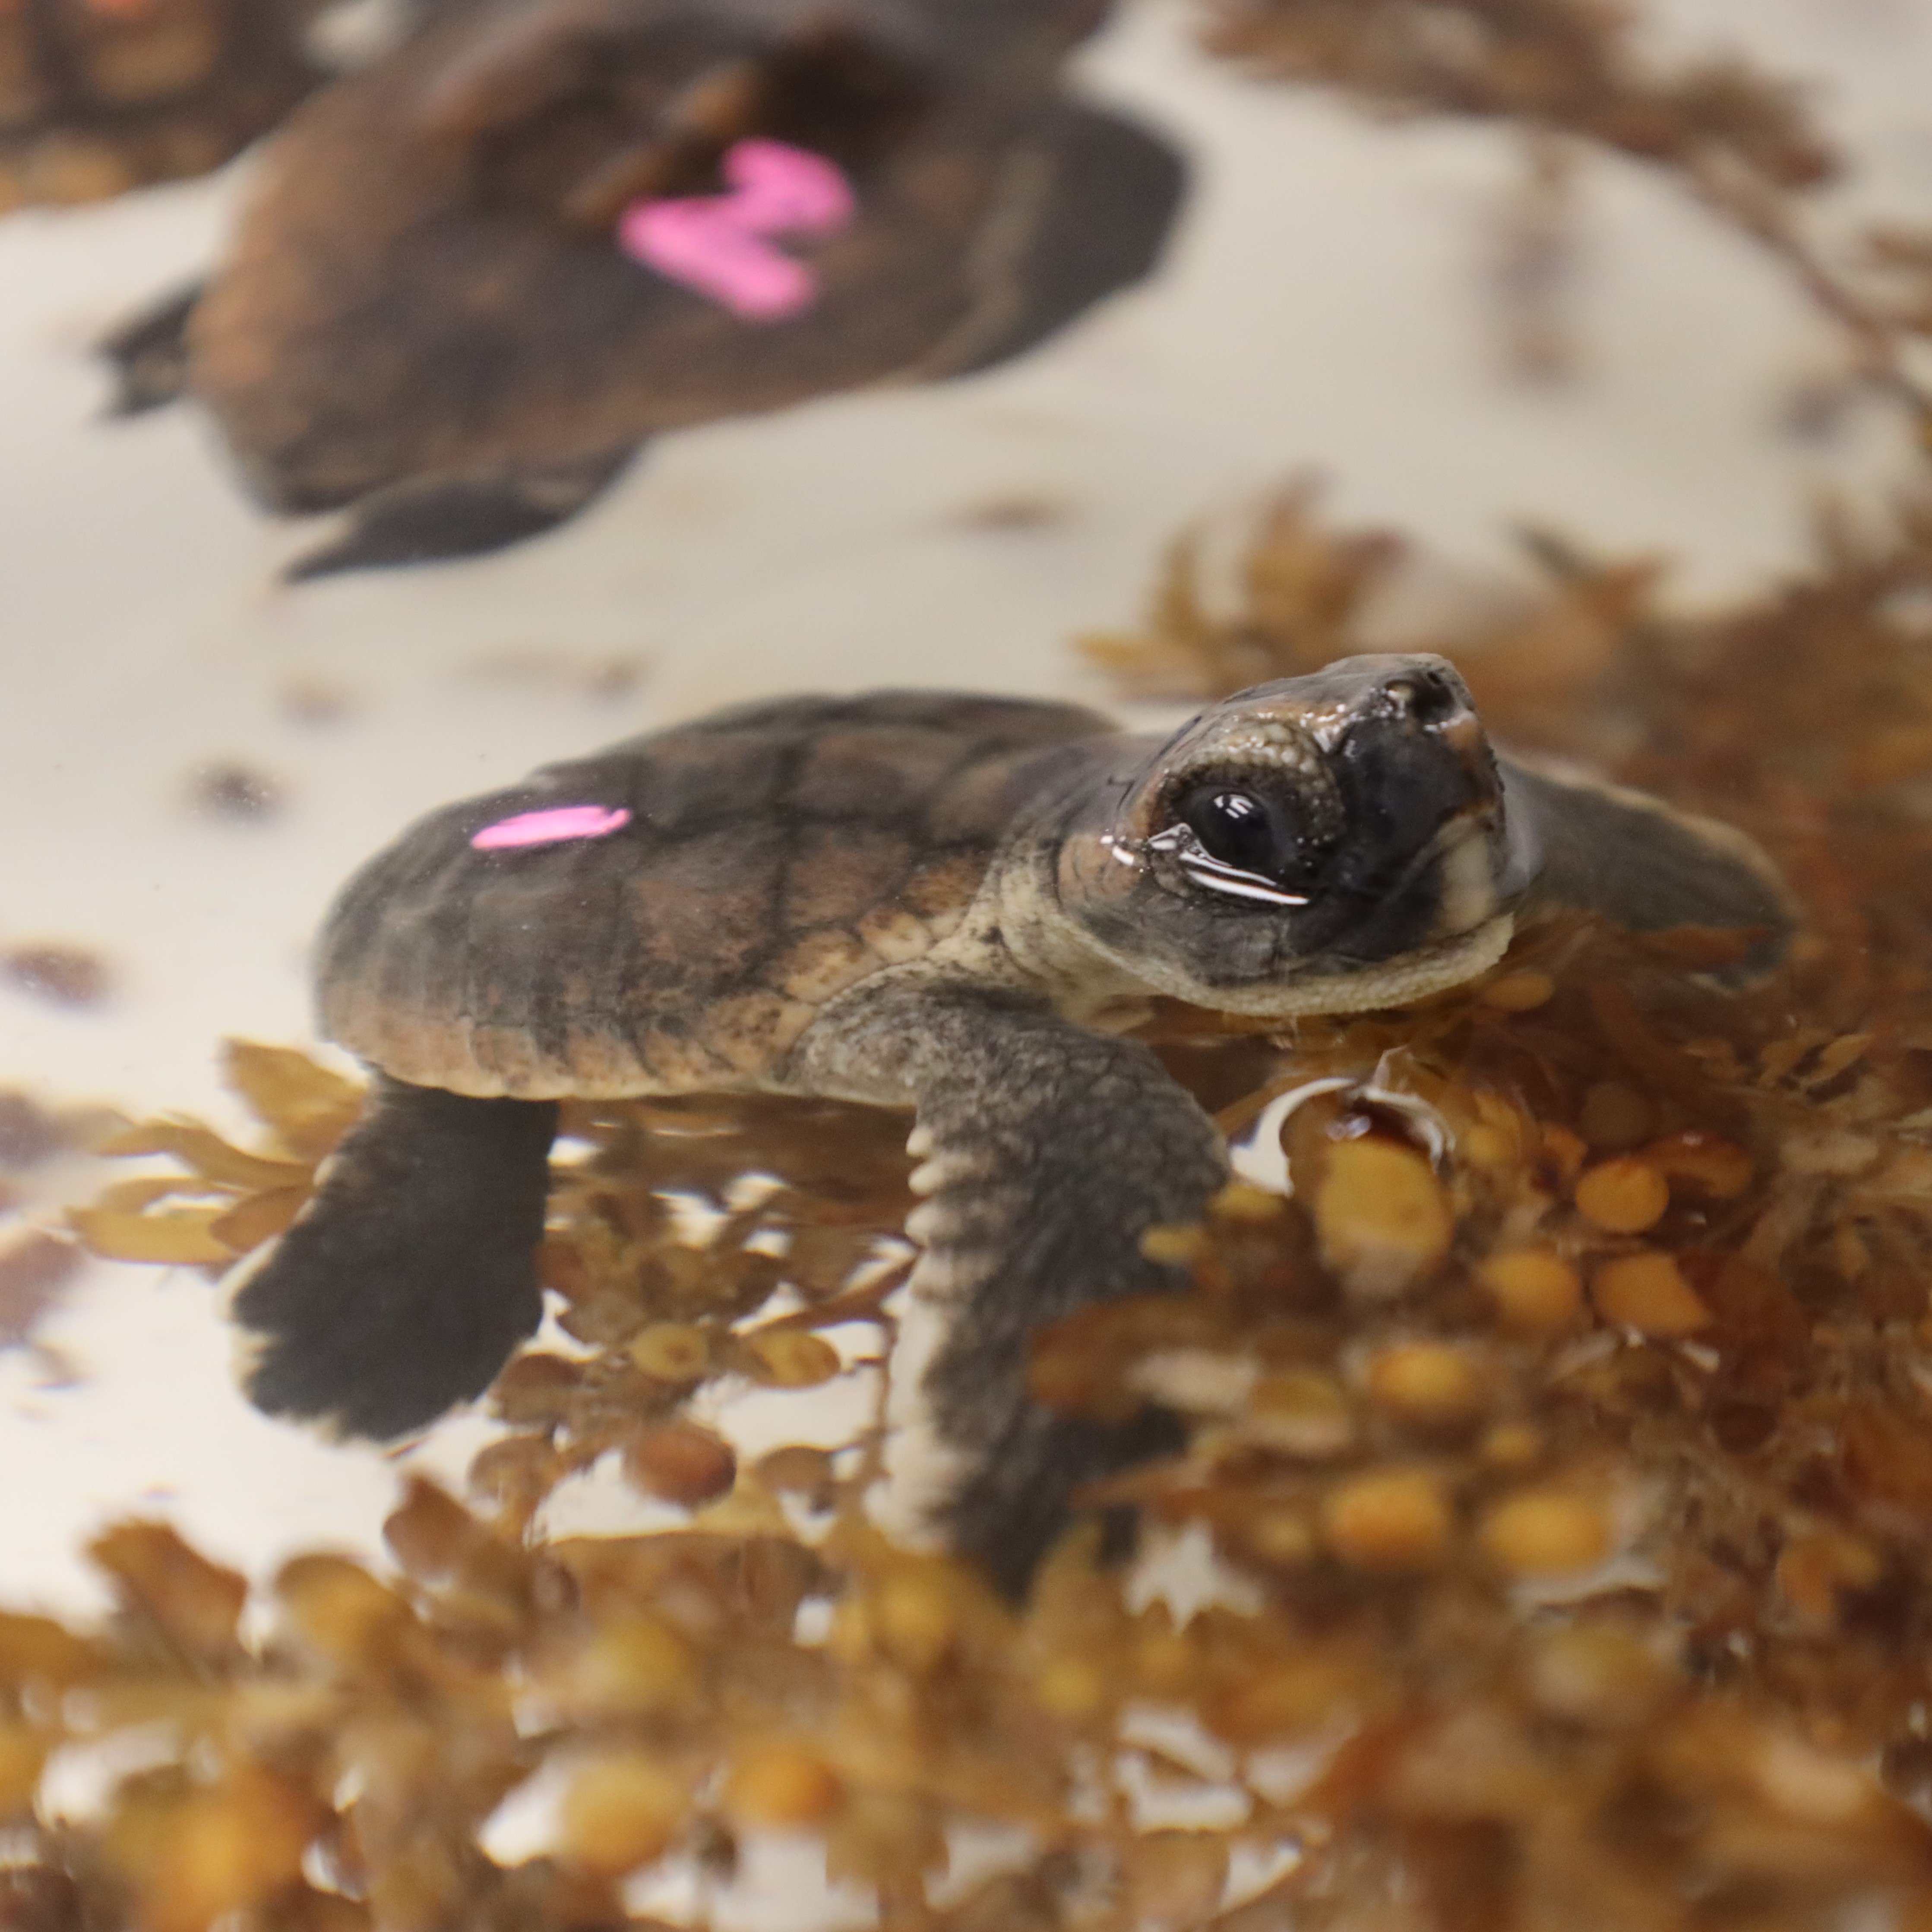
(777, 854)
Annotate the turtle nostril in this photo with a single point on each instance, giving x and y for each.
(1427, 696)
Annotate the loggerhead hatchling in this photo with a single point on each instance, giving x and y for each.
(440, 311)
(918, 899)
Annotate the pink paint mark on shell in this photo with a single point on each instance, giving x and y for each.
(716, 244)
(552, 827)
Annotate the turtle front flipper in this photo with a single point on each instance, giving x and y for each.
(431, 519)
(148, 353)
(1049, 1152)
(1090, 209)
(406, 1281)
(1597, 848)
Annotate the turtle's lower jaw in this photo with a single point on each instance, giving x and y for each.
(1333, 983)
(1329, 982)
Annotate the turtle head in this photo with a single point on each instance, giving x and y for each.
(1325, 844)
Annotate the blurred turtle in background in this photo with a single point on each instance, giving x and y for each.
(477, 275)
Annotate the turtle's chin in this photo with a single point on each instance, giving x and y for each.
(1333, 984)
(1336, 984)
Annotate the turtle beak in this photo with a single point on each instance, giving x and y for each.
(1428, 859)
(1469, 888)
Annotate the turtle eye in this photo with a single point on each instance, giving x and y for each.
(1238, 833)
(1245, 842)
(1235, 827)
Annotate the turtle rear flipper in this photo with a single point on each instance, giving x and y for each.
(1049, 1152)
(430, 520)
(407, 1281)
(148, 353)
(1597, 848)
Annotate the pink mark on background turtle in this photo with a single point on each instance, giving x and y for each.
(716, 244)
(552, 827)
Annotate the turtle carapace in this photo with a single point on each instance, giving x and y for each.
(919, 900)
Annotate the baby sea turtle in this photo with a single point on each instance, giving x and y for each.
(917, 899)
(100, 96)
(448, 306)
